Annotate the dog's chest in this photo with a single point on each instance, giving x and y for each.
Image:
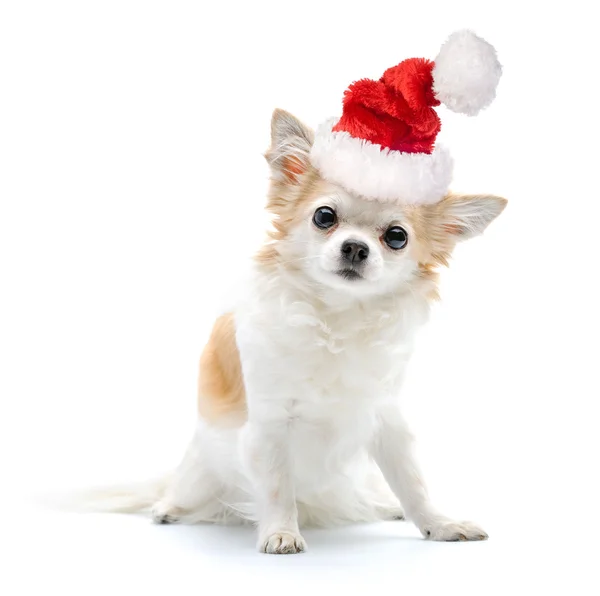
(336, 367)
(324, 360)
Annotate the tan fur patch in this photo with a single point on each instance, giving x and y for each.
(221, 392)
(286, 202)
(438, 228)
(432, 242)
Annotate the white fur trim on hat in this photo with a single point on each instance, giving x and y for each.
(466, 73)
(380, 174)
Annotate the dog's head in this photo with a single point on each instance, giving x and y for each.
(337, 240)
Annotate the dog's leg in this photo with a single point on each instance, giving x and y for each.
(267, 461)
(392, 452)
(191, 488)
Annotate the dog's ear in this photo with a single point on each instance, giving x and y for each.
(467, 216)
(289, 153)
(440, 226)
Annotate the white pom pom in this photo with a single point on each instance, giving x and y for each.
(466, 73)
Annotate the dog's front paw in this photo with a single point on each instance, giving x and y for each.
(446, 530)
(282, 543)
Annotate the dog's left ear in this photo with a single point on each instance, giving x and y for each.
(466, 216)
(291, 142)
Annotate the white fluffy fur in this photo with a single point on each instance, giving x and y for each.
(323, 360)
(375, 173)
(321, 380)
(466, 73)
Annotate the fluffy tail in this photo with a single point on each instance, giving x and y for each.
(127, 498)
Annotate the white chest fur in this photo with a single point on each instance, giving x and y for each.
(321, 370)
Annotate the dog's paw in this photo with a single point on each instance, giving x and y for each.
(446, 530)
(392, 513)
(164, 513)
(282, 543)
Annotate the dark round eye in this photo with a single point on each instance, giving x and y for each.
(396, 237)
(324, 217)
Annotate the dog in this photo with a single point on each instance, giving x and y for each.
(297, 416)
(298, 421)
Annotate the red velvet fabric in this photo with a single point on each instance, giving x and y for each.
(396, 111)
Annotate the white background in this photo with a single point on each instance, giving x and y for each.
(131, 189)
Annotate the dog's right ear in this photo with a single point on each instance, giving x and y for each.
(289, 153)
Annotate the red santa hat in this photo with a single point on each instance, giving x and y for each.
(383, 146)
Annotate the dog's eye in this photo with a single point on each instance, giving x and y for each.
(324, 217)
(396, 237)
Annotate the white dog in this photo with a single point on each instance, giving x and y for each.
(298, 421)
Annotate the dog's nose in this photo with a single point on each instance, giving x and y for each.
(354, 251)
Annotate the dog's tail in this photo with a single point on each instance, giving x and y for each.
(127, 498)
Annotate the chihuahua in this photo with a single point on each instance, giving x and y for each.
(298, 421)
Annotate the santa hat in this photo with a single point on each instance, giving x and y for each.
(383, 146)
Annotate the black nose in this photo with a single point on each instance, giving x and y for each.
(354, 251)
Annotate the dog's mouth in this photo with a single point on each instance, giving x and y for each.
(350, 274)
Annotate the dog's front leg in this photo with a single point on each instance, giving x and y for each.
(392, 450)
(267, 461)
